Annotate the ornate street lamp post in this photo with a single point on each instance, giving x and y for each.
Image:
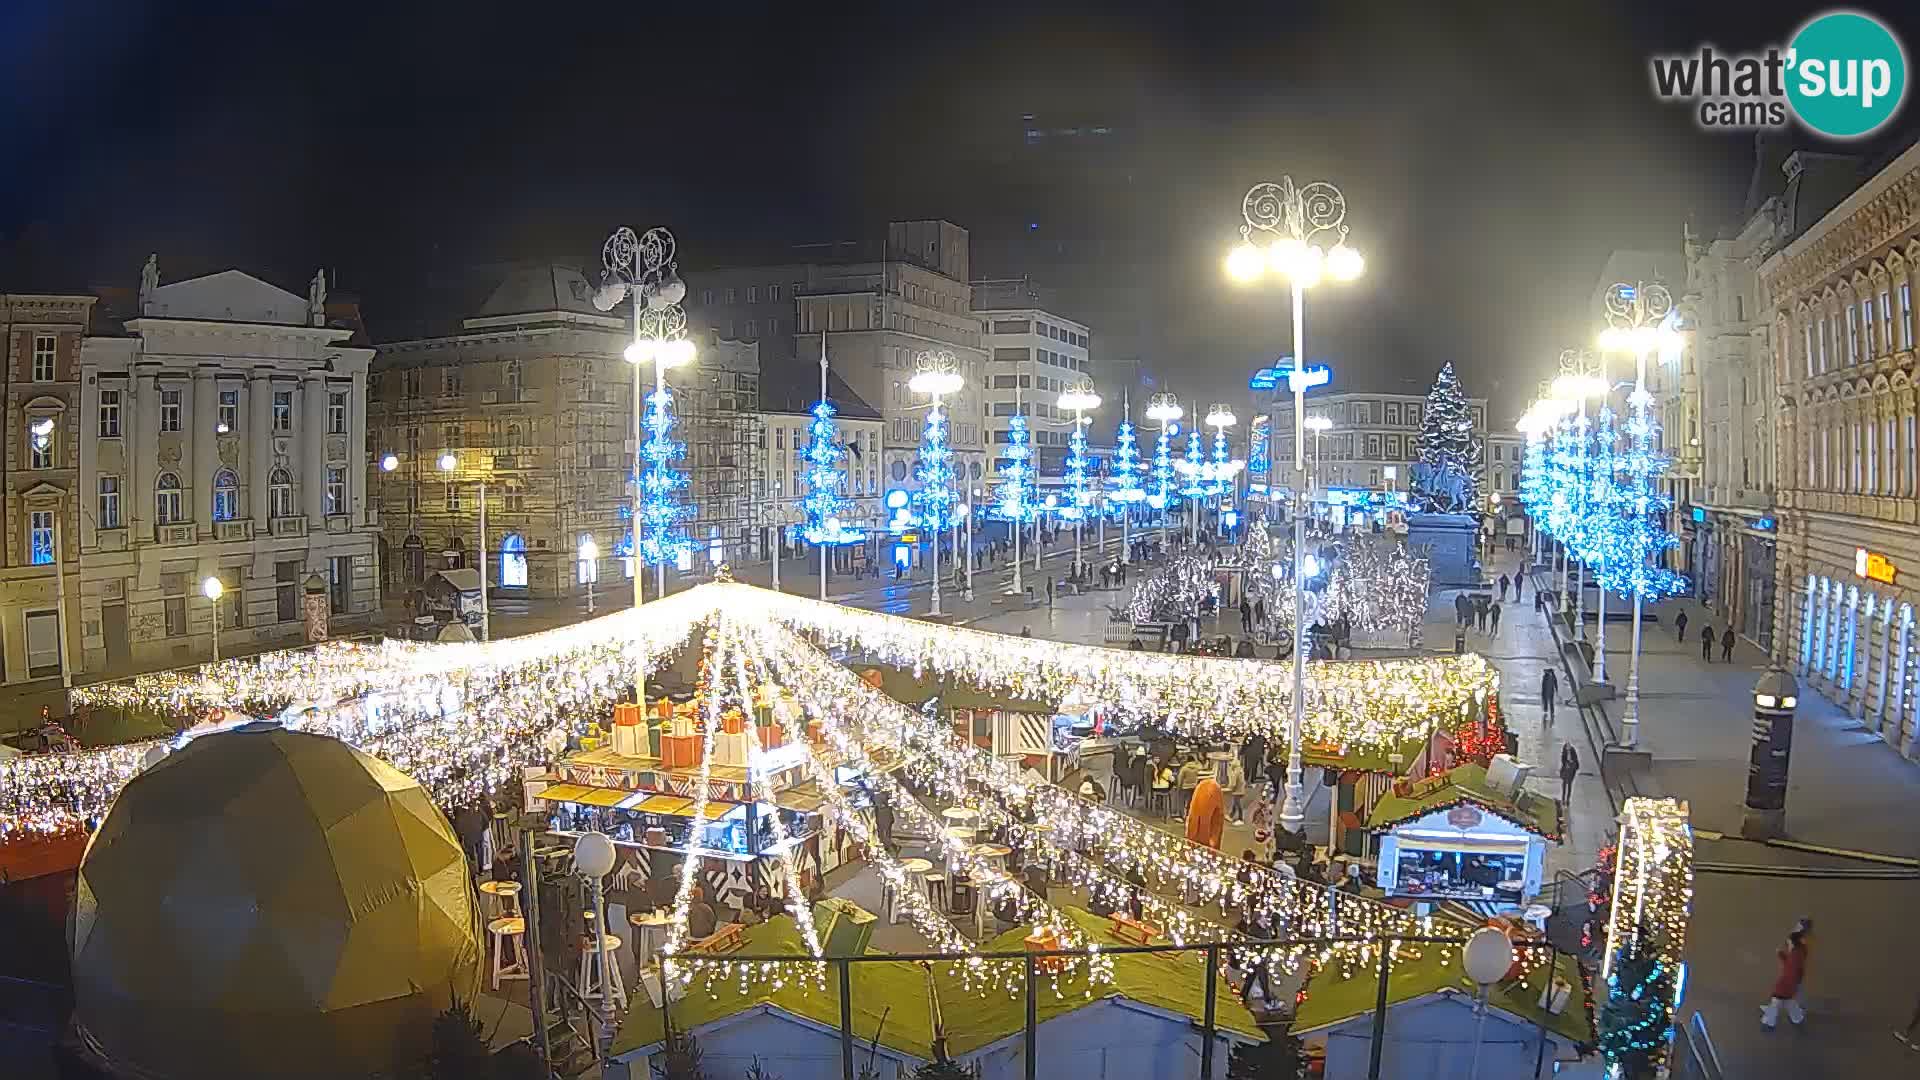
(936, 374)
(1080, 400)
(1292, 219)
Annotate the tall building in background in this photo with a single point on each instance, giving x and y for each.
(40, 338)
(1033, 355)
(1841, 307)
(221, 432)
(1373, 433)
(531, 396)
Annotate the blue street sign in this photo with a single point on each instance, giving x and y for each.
(1264, 379)
(1270, 378)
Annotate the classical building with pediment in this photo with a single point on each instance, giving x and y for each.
(220, 428)
(1841, 302)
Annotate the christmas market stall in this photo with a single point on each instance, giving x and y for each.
(1052, 740)
(1472, 833)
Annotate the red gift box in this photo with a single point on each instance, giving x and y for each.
(626, 714)
(816, 731)
(733, 723)
(770, 736)
(680, 751)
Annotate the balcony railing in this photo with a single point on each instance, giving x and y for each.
(289, 526)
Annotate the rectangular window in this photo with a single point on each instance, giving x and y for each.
(1888, 341)
(40, 536)
(109, 505)
(1853, 335)
(340, 581)
(1809, 336)
(773, 296)
(1906, 315)
(753, 328)
(176, 609)
(336, 490)
(336, 414)
(286, 591)
(40, 442)
(109, 414)
(229, 420)
(453, 499)
(283, 410)
(169, 410)
(1821, 326)
(450, 382)
(1912, 456)
(1866, 328)
(1012, 326)
(44, 346)
(733, 297)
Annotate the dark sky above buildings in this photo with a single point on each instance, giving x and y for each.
(1491, 154)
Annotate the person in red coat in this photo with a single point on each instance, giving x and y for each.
(1207, 814)
(1786, 985)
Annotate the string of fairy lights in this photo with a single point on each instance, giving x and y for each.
(1652, 901)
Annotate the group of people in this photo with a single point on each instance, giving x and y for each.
(1708, 639)
(1479, 611)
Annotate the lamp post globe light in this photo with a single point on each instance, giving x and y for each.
(936, 374)
(1281, 234)
(589, 567)
(1641, 319)
(1319, 425)
(1163, 409)
(1222, 469)
(1079, 399)
(449, 462)
(593, 859)
(213, 590)
(643, 268)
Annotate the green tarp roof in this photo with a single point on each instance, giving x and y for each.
(1333, 998)
(1468, 784)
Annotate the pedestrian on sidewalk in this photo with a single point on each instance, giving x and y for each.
(1706, 643)
(1493, 620)
(1480, 606)
(1518, 580)
(1786, 985)
(1462, 610)
(1680, 627)
(1236, 790)
(1726, 645)
(1505, 581)
(1049, 590)
(1260, 612)
(1549, 690)
(1246, 615)
(1569, 768)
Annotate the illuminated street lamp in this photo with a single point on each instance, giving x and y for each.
(589, 567)
(1319, 425)
(1222, 469)
(448, 463)
(1163, 409)
(936, 374)
(389, 463)
(1080, 400)
(1292, 219)
(212, 589)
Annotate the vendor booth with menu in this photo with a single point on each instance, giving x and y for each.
(1461, 836)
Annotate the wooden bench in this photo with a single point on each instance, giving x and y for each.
(724, 940)
(1130, 929)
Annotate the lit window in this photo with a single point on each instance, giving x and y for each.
(166, 499)
(226, 496)
(40, 450)
(40, 536)
(336, 490)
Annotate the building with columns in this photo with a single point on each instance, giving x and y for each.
(221, 430)
(41, 337)
(1840, 300)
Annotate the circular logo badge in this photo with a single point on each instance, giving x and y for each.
(1847, 74)
(1464, 818)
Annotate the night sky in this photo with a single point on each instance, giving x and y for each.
(1492, 155)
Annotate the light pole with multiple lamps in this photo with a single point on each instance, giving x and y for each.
(589, 567)
(643, 267)
(1577, 385)
(936, 374)
(1639, 315)
(448, 463)
(1319, 425)
(1163, 409)
(212, 589)
(1295, 218)
(1220, 470)
(1079, 399)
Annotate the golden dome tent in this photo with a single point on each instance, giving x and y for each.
(266, 902)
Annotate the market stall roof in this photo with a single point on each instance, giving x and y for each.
(1333, 997)
(1370, 759)
(1168, 981)
(1464, 784)
(464, 580)
(904, 686)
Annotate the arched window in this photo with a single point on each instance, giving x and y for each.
(280, 494)
(513, 562)
(166, 499)
(226, 495)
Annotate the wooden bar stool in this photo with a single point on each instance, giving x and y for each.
(508, 933)
(936, 889)
(506, 898)
(591, 982)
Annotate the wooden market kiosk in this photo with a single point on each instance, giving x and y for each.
(1457, 836)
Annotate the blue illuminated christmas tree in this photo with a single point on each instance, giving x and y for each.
(1015, 497)
(1536, 488)
(1193, 468)
(825, 474)
(1641, 535)
(1162, 495)
(936, 497)
(1636, 1018)
(1600, 525)
(1078, 499)
(1126, 468)
(662, 514)
(1221, 471)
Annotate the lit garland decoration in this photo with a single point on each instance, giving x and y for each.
(1562, 482)
(1174, 591)
(1221, 470)
(1126, 467)
(1368, 704)
(661, 512)
(1163, 470)
(1640, 538)
(936, 496)
(825, 474)
(1536, 489)
(677, 932)
(1646, 933)
(1016, 500)
(1602, 527)
(1378, 586)
(1078, 499)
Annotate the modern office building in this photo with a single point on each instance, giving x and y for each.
(1033, 355)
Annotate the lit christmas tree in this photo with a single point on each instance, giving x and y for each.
(824, 475)
(1194, 466)
(1635, 1019)
(1535, 486)
(1600, 523)
(1016, 494)
(1162, 495)
(1634, 568)
(1447, 473)
(1221, 470)
(936, 497)
(661, 512)
(1126, 468)
(1077, 465)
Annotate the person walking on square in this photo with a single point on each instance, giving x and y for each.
(1706, 643)
(1726, 645)
(1569, 768)
(1786, 985)
(1463, 610)
(1505, 581)
(1246, 616)
(1480, 606)
(1549, 690)
(1518, 581)
(1493, 620)
(1680, 627)
(1049, 590)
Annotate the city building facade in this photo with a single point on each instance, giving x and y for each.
(786, 406)
(1033, 355)
(1840, 298)
(1375, 439)
(531, 401)
(42, 338)
(220, 428)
